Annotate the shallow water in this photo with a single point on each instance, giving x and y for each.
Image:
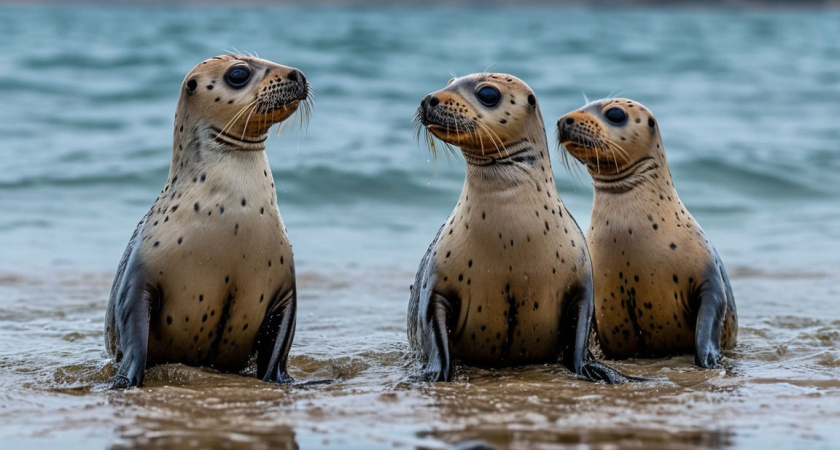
(747, 104)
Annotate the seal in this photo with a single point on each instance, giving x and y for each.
(660, 286)
(507, 279)
(208, 276)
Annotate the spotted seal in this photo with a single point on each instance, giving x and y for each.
(208, 276)
(507, 279)
(660, 286)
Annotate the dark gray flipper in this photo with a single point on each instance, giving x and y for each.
(575, 323)
(714, 296)
(274, 339)
(437, 316)
(428, 317)
(127, 318)
(133, 314)
(575, 320)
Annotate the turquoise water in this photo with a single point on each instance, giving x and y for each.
(748, 104)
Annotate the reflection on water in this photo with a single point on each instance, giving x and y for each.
(780, 385)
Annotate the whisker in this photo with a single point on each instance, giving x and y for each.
(245, 128)
(237, 116)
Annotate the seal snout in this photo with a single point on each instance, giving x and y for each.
(296, 75)
(429, 101)
(564, 129)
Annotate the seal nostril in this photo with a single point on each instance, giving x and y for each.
(294, 75)
(570, 121)
(434, 101)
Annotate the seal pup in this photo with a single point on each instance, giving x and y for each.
(208, 276)
(660, 286)
(507, 279)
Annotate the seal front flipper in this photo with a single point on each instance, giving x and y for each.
(275, 338)
(575, 323)
(128, 315)
(132, 321)
(714, 298)
(436, 319)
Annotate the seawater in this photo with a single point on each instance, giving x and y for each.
(747, 103)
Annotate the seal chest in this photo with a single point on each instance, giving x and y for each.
(208, 276)
(660, 286)
(507, 280)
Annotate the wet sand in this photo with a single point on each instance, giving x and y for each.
(780, 386)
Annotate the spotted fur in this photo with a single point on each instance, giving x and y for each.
(208, 276)
(507, 280)
(660, 286)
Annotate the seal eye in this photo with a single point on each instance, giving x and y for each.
(616, 115)
(489, 96)
(238, 76)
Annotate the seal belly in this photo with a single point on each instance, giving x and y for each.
(646, 290)
(213, 301)
(506, 328)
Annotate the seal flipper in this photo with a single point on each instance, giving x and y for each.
(714, 296)
(128, 315)
(132, 321)
(575, 324)
(575, 321)
(439, 361)
(275, 338)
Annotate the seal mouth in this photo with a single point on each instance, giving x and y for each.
(283, 96)
(601, 156)
(444, 122)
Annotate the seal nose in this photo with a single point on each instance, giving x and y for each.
(563, 126)
(296, 75)
(430, 101)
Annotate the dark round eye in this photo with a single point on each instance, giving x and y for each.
(238, 76)
(489, 96)
(616, 115)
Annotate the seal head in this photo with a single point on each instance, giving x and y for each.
(239, 98)
(618, 141)
(489, 116)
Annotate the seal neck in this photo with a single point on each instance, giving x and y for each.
(199, 149)
(644, 171)
(525, 166)
(479, 157)
(239, 143)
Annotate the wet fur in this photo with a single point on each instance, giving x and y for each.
(660, 286)
(208, 276)
(507, 279)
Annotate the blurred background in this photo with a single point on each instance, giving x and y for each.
(748, 102)
(747, 95)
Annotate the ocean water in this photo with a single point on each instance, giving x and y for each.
(748, 105)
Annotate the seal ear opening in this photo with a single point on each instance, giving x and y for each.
(191, 85)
